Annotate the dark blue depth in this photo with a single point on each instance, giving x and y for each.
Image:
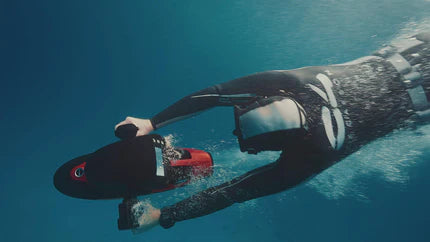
(70, 70)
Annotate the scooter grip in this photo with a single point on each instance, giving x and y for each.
(126, 131)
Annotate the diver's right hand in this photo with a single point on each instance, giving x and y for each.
(144, 126)
(149, 219)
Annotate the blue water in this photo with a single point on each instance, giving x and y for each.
(70, 70)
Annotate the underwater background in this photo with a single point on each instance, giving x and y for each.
(71, 70)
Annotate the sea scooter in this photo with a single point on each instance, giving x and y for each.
(129, 168)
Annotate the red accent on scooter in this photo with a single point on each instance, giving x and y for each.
(200, 161)
(78, 173)
(201, 166)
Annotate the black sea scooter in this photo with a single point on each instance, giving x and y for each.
(129, 168)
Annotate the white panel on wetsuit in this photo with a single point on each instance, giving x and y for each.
(418, 98)
(279, 115)
(159, 160)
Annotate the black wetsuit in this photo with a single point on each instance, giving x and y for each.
(371, 95)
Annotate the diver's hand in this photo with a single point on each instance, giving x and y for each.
(144, 126)
(149, 219)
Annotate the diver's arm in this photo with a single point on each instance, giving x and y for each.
(238, 91)
(266, 180)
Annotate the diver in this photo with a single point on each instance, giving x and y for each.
(315, 115)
